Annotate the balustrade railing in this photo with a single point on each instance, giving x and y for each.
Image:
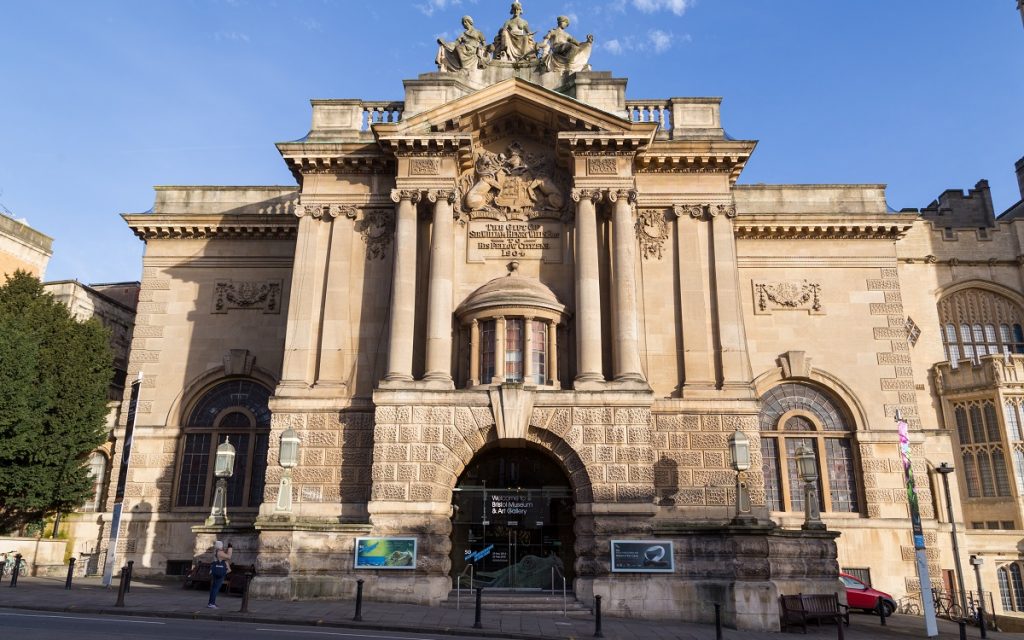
(659, 111)
(383, 111)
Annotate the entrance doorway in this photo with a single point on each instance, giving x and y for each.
(512, 523)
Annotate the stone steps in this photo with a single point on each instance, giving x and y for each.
(526, 601)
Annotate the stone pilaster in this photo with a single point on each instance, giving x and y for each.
(736, 371)
(695, 300)
(403, 288)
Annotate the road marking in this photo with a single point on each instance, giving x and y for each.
(347, 635)
(39, 615)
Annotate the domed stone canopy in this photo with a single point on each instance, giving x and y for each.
(511, 291)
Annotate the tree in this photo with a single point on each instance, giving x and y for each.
(54, 376)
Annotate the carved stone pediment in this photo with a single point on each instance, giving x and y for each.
(514, 182)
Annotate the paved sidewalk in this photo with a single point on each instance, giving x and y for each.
(170, 600)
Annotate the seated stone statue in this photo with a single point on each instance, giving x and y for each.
(466, 52)
(514, 42)
(561, 52)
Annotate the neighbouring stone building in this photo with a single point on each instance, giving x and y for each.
(22, 248)
(518, 316)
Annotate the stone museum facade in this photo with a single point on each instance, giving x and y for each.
(518, 316)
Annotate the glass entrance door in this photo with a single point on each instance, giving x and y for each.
(507, 534)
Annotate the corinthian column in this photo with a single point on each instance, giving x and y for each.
(588, 289)
(439, 291)
(403, 287)
(626, 352)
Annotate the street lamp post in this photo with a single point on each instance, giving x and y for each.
(288, 458)
(807, 468)
(739, 451)
(976, 562)
(944, 470)
(223, 467)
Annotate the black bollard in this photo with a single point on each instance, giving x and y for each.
(16, 570)
(881, 610)
(121, 585)
(963, 628)
(597, 617)
(131, 568)
(981, 619)
(478, 624)
(359, 601)
(839, 625)
(245, 592)
(718, 621)
(71, 574)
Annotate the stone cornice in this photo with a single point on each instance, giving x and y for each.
(426, 144)
(335, 157)
(148, 226)
(822, 226)
(696, 156)
(604, 144)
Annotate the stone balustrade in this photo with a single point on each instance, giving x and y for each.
(380, 111)
(993, 371)
(659, 111)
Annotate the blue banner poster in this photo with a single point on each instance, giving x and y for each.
(385, 553)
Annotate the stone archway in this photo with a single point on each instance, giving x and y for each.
(513, 521)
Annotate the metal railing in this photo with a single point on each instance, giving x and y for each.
(565, 598)
(458, 585)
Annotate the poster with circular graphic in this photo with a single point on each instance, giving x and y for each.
(642, 556)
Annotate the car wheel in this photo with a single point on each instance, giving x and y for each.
(888, 608)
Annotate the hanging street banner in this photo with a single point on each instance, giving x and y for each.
(122, 480)
(915, 524)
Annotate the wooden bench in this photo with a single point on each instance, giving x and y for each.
(199, 577)
(802, 608)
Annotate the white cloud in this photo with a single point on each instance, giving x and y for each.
(659, 40)
(232, 36)
(614, 47)
(433, 6)
(677, 7)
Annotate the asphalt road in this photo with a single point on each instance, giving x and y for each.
(25, 625)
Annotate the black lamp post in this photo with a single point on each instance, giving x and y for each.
(807, 468)
(944, 470)
(223, 467)
(739, 451)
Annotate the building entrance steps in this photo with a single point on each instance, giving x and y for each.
(536, 601)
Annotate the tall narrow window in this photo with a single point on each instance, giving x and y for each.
(98, 475)
(1018, 587)
(797, 414)
(1004, 589)
(236, 411)
(538, 351)
(487, 334)
(514, 349)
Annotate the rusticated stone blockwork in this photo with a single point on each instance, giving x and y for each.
(693, 462)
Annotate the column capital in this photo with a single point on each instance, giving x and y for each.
(693, 210)
(325, 211)
(726, 209)
(443, 195)
(594, 195)
(397, 195)
(628, 195)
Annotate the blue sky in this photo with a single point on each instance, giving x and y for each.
(103, 99)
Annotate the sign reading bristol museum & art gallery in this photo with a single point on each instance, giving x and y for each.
(496, 240)
(642, 556)
(385, 553)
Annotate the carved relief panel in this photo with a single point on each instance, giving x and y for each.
(774, 295)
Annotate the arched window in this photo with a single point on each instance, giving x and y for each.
(977, 323)
(1004, 589)
(1018, 587)
(237, 411)
(98, 474)
(795, 414)
(981, 447)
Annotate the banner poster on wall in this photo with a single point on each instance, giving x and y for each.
(642, 556)
(931, 629)
(385, 553)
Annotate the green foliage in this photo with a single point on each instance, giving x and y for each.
(54, 376)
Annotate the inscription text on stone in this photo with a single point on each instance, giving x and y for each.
(538, 240)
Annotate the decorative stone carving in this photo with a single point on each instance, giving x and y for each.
(325, 211)
(695, 211)
(265, 295)
(238, 362)
(727, 210)
(466, 52)
(424, 166)
(397, 195)
(512, 406)
(514, 42)
(602, 166)
(513, 185)
(787, 294)
(628, 194)
(651, 231)
(376, 228)
(442, 194)
(795, 364)
(594, 195)
(561, 52)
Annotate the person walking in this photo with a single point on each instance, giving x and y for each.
(218, 571)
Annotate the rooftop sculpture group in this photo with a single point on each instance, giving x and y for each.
(514, 44)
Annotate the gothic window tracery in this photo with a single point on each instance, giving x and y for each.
(795, 414)
(977, 323)
(236, 410)
(982, 447)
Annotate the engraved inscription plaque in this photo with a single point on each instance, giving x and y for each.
(500, 240)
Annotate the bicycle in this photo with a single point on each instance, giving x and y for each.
(9, 566)
(946, 608)
(908, 605)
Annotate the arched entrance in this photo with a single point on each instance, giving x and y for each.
(512, 522)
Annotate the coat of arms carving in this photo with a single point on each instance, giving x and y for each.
(514, 184)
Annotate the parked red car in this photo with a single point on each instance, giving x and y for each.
(861, 596)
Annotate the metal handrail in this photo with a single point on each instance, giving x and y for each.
(564, 598)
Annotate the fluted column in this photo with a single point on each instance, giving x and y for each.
(588, 289)
(403, 287)
(626, 352)
(474, 353)
(439, 291)
(552, 360)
